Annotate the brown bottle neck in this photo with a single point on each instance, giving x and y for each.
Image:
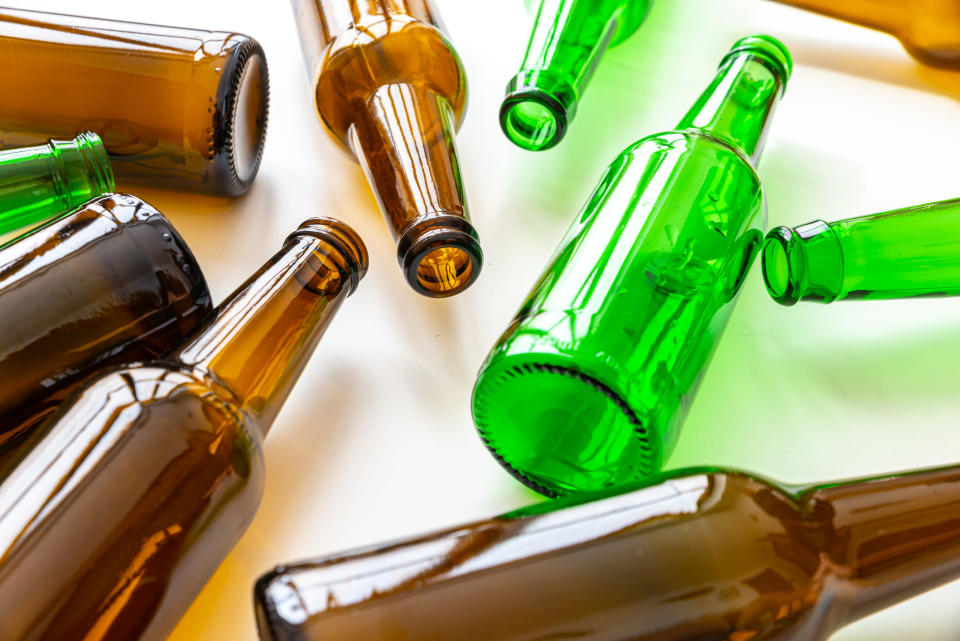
(886, 15)
(260, 339)
(892, 538)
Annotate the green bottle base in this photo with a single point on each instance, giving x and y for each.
(559, 429)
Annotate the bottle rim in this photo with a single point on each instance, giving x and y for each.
(783, 265)
(344, 239)
(445, 235)
(768, 50)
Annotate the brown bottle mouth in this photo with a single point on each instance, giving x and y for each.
(440, 256)
(243, 101)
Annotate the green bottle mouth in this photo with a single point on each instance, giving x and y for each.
(537, 109)
(768, 49)
(559, 430)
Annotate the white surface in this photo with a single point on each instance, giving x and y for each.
(377, 440)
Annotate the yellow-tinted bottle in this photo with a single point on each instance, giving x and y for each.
(391, 91)
(148, 475)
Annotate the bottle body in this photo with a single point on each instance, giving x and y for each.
(568, 41)
(928, 29)
(391, 90)
(697, 555)
(176, 108)
(149, 474)
(589, 385)
(896, 254)
(111, 283)
(38, 183)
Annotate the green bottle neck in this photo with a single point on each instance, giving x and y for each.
(889, 538)
(260, 339)
(737, 108)
(568, 40)
(804, 263)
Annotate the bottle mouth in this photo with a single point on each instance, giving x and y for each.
(94, 155)
(533, 119)
(344, 240)
(783, 265)
(440, 256)
(559, 430)
(770, 51)
(243, 101)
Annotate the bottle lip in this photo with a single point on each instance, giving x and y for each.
(767, 49)
(435, 234)
(243, 105)
(94, 153)
(537, 109)
(344, 239)
(783, 264)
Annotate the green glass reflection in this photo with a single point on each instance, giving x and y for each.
(588, 386)
(39, 183)
(569, 38)
(895, 254)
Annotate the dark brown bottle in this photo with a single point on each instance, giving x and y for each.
(176, 108)
(392, 92)
(149, 474)
(701, 555)
(110, 283)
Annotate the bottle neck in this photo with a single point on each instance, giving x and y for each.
(260, 339)
(738, 106)
(886, 15)
(404, 137)
(569, 38)
(892, 538)
(804, 263)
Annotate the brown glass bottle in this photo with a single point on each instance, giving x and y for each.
(392, 92)
(107, 284)
(149, 474)
(177, 108)
(928, 29)
(701, 555)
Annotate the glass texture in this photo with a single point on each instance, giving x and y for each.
(569, 38)
(589, 385)
(895, 254)
(928, 29)
(111, 283)
(176, 108)
(39, 183)
(147, 477)
(697, 555)
(391, 91)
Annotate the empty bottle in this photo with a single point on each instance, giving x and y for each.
(701, 555)
(589, 385)
(150, 473)
(176, 108)
(110, 283)
(569, 39)
(896, 254)
(928, 29)
(391, 91)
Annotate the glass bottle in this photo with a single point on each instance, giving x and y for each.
(928, 29)
(895, 254)
(150, 473)
(590, 383)
(391, 91)
(176, 108)
(569, 38)
(38, 183)
(110, 283)
(701, 555)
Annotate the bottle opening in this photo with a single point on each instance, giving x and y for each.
(445, 271)
(531, 124)
(560, 431)
(777, 269)
(248, 119)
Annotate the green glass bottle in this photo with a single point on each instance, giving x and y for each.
(38, 183)
(569, 38)
(895, 254)
(588, 386)
(700, 555)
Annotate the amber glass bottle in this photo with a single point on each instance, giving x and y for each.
(391, 90)
(699, 555)
(177, 108)
(928, 29)
(150, 473)
(110, 283)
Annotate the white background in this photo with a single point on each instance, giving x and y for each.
(377, 442)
